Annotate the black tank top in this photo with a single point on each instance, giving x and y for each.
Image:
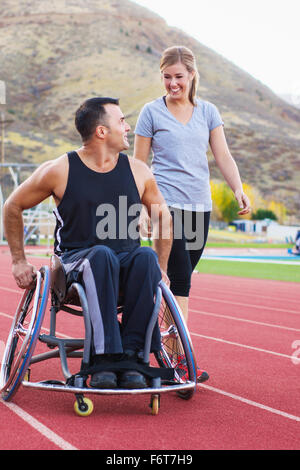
(98, 208)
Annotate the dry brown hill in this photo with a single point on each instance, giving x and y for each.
(56, 53)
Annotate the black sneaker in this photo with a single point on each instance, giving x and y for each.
(104, 379)
(131, 379)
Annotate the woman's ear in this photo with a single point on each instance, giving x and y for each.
(192, 74)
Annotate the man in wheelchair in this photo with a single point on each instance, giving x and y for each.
(99, 193)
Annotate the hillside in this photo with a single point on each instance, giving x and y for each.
(54, 54)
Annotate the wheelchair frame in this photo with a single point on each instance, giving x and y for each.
(16, 362)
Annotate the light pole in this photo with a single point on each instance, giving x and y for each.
(2, 104)
(3, 121)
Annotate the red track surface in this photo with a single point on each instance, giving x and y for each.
(243, 332)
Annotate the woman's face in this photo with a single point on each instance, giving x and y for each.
(177, 81)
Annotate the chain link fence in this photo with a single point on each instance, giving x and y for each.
(39, 222)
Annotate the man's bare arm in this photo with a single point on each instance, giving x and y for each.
(34, 190)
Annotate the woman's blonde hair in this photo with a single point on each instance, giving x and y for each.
(175, 54)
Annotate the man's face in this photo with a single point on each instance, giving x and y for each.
(117, 128)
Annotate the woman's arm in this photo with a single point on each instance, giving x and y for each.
(142, 147)
(228, 167)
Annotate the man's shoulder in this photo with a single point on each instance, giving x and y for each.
(51, 170)
(139, 167)
(54, 165)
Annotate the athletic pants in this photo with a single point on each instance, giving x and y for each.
(104, 274)
(190, 231)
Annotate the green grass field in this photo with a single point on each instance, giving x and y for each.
(278, 272)
(284, 246)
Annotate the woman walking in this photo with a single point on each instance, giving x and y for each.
(178, 127)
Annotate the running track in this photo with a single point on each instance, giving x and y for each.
(246, 334)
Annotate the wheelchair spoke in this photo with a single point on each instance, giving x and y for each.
(176, 351)
(23, 335)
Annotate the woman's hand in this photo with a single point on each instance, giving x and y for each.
(243, 202)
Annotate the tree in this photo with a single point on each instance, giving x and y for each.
(224, 202)
(262, 214)
(225, 207)
(279, 210)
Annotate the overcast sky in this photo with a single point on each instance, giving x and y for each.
(260, 36)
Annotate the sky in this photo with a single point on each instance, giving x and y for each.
(260, 36)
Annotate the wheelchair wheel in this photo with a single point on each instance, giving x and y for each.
(23, 335)
(177, 350)
(83, 406)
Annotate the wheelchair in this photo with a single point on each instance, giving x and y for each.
(52, 283)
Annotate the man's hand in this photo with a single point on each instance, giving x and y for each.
(24, 274)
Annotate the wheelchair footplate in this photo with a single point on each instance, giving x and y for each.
(84, 406)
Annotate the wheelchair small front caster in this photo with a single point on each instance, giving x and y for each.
(83, 406)
(155, 404)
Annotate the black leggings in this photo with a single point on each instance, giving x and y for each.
(190, 231)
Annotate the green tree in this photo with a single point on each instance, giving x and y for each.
(230, 211)
(224, 201)
(262, 214)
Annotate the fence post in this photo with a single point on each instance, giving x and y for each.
(1, 217)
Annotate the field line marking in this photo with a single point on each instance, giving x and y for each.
(229, 317)
(246, 305)
(249, 260)
(8, 289)
(235, 292)
(246, 346)
(6, 315)
(41, 428)
(251, 402)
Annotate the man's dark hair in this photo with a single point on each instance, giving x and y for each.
(92, 114)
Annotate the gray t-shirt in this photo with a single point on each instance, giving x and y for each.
(180, 163)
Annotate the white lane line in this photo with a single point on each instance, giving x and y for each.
(252, 294)
(11, 317)
(3, 274)
(6, 315)
(249, 260)
(228, 317)
(273, 309)
(15, 291)
(252, 403)
(41, 428)
(220, 340)
(197, 334)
